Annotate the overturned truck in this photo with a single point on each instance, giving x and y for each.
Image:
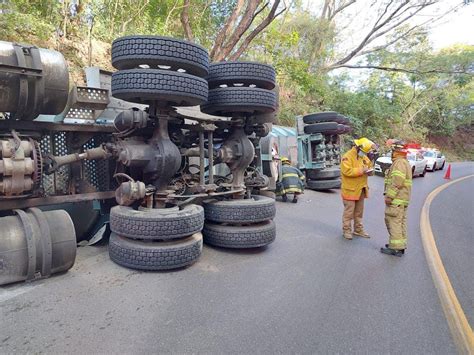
(170, 178)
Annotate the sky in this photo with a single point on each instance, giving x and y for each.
(454, 28)
(457, 28)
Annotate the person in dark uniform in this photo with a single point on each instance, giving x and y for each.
(292, 181)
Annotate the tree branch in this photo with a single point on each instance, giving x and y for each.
(188, 32)
(268, 19)
(229, 24)
(245, 21)
(341, 8)
(379, 28)
(403, 70)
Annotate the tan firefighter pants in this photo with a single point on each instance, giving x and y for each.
(396, 222)
(353, 211)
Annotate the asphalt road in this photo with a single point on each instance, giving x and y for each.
(311, 291)
(452, 220)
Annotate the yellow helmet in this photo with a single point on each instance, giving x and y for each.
(285, 160)
(364, 144)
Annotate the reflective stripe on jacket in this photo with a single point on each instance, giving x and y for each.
(353, 179)
(291, 179)
(398, 181)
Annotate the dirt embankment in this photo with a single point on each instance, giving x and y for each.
(459, 146)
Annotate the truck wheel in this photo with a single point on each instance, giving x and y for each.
(153, 51)
(323, 184)
(146, 255)
(145, 85)
(156, 224)
(253, 236)
(324, 174)
(329, 116)
(255, 209)
(321, 127)
(246, 73)
(225, 101)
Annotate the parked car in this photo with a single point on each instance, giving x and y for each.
(435, 160)
(415, 158)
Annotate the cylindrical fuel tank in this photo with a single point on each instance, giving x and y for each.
(32, 80)
(35, 244)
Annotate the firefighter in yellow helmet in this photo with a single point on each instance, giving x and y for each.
(356, 165)
(292, 181)
(398, 182)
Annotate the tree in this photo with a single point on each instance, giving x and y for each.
(246, 21)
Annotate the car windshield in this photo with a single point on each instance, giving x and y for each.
(429, 154)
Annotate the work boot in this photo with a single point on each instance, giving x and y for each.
(362, 234)
(393, 252)
(284, 198)
(402, 250)
(347, 235)
(295, 199)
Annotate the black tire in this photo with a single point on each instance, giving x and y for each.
(347, 129)
(154, 256)
(323, 184)
(225, 101)
(442, 166)
(424, 172)
(256, 209)
(253, 236)
(344, 120)
(325, 174)
(246, 73)
(413, 172)
(133, 51)
(329, 116)
(156, 224)
(145, 85)
(325, 127)
(434, 167)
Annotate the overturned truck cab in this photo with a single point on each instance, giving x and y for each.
(170, 177)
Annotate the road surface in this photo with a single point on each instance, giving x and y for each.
(311, 291)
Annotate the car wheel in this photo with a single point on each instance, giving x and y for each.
(156, 224)
(145, 85)
(253, 236)
(154, 256)
(434, 167)
(225, 101)
(424, 172)
(255, 209)
(413, 172)
(154, 51)
(442, 166)
(245, 73)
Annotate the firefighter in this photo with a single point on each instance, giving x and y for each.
(398, 182)
(356, 165)
(292, 181)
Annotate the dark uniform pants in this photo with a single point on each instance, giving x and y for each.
(396, 222)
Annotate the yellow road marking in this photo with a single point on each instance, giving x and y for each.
(457, 321)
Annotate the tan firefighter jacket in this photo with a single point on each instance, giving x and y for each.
(398, 181)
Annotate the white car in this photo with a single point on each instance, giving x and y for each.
(435, 160)
(415, 158)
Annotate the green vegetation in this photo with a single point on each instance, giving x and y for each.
(391, 82)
